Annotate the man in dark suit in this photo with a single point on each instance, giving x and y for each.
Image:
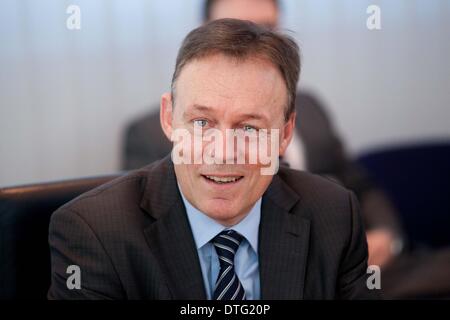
(316, 147)
(221, 230)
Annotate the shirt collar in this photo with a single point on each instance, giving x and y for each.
(205, 228)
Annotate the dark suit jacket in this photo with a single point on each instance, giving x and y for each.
(144, 142)
(132, 240)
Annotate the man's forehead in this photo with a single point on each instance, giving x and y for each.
(219, 79)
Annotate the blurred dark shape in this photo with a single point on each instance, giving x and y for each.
(417, 274)
(417, 180)
(24, 221)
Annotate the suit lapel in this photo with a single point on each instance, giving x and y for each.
(283, 243)
(170, 237)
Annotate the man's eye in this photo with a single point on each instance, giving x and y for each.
(249, 129)
(200, 122)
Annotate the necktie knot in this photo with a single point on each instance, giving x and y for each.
(226, 244)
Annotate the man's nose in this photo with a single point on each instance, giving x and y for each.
(224, 148)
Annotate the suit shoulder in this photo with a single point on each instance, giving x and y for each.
(120, 194)
(303, 182)
(325, 198)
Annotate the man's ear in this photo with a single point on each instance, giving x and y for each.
(166, 113)
(288, 133)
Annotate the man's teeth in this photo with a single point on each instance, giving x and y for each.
(223, 179)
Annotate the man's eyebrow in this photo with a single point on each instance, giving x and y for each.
(192, 110)
(254, 116)
(242, 117)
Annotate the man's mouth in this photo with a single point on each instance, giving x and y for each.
(223, 179)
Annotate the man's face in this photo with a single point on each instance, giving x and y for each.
(263, 12)
(223, 93)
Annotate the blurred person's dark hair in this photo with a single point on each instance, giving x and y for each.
(242, 40)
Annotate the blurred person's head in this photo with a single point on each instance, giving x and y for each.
(231, 74)
(264, 12)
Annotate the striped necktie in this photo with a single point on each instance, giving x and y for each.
(228, 286)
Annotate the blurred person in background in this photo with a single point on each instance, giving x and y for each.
(317, 148)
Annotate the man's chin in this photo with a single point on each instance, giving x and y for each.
(222, 210)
